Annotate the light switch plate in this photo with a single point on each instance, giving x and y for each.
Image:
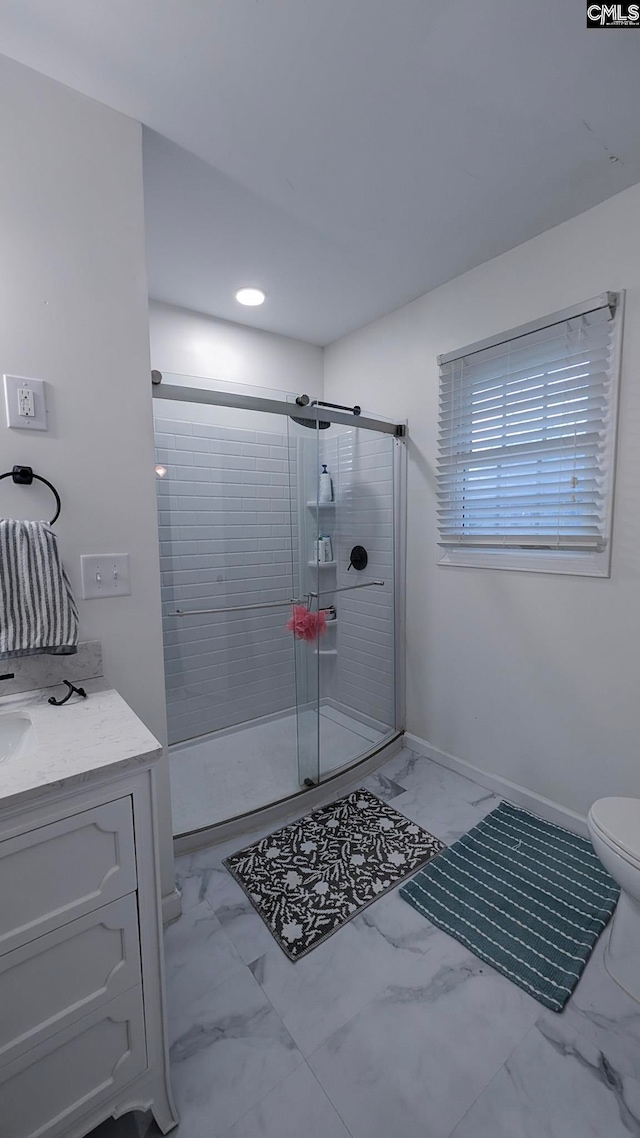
(105, 575)
(22, 393)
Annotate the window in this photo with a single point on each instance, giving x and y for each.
(527, 444)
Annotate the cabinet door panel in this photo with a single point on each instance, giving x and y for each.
(60, 977)
(45, 1090)
(72, 867)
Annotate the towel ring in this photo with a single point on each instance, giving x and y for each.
(24, 476)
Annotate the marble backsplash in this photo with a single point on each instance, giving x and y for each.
(44, 671)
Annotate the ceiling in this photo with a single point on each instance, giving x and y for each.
(345, 155)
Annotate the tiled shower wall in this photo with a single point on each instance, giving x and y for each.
(226, 534)
(362, 464)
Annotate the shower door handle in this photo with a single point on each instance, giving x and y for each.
(236, 608)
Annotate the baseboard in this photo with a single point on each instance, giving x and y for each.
(171, 907)
(519, 795)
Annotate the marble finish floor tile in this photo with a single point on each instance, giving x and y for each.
(192, 880)
(599, 1007)
(232, 1051)
(389, 943)
(438, 799)
(198, 957)
(384, 787)
(442, 813)
(559, 1084)
(415, 772)
(416, 1058)
(296, 1108)
(195, 872)
(213, 883)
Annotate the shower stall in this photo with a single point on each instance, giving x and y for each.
(281, 600)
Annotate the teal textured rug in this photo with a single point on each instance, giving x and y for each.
(528, 897)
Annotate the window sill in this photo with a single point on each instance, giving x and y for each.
(530, 561)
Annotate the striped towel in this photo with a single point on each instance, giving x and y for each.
(37, 610)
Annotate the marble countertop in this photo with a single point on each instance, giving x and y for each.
(71, 744)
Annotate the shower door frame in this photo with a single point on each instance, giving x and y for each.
(274, 407)
(399, 431)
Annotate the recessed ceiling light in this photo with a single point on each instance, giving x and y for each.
(250, 296)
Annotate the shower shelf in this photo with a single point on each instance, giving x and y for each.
(320, 505)
(325, 652)
(322, 564)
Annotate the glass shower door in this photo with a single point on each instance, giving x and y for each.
(344, 575)
(241, 689)
(356, 653)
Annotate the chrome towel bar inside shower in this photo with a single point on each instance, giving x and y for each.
(236, 608)
(275, 604)
(345, 588)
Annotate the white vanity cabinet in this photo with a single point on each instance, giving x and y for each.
(82, 1032)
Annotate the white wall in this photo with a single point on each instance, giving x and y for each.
(73, 311)
(192, 344)
(530, 676)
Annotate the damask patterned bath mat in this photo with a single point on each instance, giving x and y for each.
(312, 876)
(529, 897)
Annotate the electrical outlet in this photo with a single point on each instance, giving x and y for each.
(25, 403)
(105, 575)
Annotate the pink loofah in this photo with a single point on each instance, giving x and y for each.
(306, 625)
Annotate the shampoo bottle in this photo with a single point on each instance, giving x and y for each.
(327, 552)
(325, 493)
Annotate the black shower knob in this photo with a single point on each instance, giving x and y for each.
(358, 558)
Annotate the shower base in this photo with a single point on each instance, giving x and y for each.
(227, 773)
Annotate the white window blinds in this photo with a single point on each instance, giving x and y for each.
(526, 438)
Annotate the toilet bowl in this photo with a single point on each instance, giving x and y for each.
(614, 829)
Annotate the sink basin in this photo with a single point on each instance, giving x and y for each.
(16, 733)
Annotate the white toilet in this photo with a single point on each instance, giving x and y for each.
(614, 828)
